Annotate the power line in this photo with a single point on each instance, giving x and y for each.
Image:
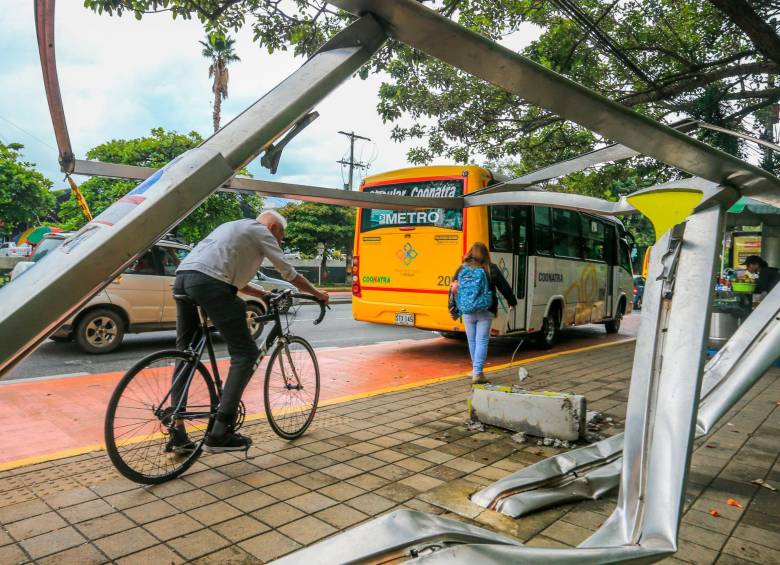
(39, 140)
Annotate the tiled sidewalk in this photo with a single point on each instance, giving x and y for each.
(367, 457)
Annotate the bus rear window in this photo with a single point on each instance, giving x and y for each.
(452, 219)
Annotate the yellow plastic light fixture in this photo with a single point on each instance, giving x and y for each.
(666, 208)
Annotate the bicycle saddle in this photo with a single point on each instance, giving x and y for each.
(184, 298)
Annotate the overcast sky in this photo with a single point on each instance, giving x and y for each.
(121, 77)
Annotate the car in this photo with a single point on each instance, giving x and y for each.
(270, 284)
(639, 291)
(139, 300)
(9, 249)
(49, 242)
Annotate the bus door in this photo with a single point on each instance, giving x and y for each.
(502, 255)
(520, 216)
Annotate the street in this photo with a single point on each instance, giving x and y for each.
(337, 330)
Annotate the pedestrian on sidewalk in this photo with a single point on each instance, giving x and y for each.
(473, 296)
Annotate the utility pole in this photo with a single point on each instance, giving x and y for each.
(352, 163)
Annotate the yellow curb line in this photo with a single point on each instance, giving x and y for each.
(339, 400)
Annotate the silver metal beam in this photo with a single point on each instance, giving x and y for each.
(422, 28)
(33, 306)
(282, 189)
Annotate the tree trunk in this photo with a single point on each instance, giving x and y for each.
(760, 32)
(217, 109)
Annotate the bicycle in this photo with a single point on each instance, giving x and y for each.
(173, 388)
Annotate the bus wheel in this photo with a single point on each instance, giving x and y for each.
(613, 326)
(548, 337)
(460, 336)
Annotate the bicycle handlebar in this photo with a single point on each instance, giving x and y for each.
(323, 305)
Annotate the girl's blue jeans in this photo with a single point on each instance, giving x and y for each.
(478, 333)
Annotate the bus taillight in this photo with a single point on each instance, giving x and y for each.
(356, 276)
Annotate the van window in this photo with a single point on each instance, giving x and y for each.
(170, 257)
(594, 239)
(500, 236)
(542, 231)
(566, 226)
(144, 265)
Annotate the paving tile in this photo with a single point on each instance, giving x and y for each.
(238, 469)
(314, 480)
(567, 533)
(757, 535)
(192, 499)
(702, 536)
(251, 500)
(368, 481)
(52, 542)
(317, 462)
(35, 525)
(290, 470)
(311, 502)
(197, 544)
(307, 530)
(125, 543)
(367, 463)
(694, 553)
(12, 554)
(22, 510)
(231, 555)
(241, 528)
(5, 539)
(157, 554)
(172, 527)
(84, 554)
(259, 479)
(704, 520)
(341, 471)
(214, 513)
(370, 503)
(464, 465)
(150, 511)
(341, 491)
(285, 490)
(104, 526)
(269, 546)
(365, 447)
(393, 472)
(226, 489)
(70, 497)
(421, 482)
(435, 456)
(205, 477)
(278, 514)
(397, 492)
(170, 488)
(130, 498)
(390, 455)
(341, 516)
(751, 551)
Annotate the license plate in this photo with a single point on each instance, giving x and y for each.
(404, 319)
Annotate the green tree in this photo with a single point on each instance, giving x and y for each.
(218, 48)
(155, 150)
(310, 223)
(25, 196)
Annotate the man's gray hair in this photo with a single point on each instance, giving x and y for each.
(278, 218)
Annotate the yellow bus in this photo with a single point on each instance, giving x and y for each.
(566, 268)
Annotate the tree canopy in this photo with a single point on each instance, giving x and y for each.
(310, 223)
(25, 195)
(155, 150)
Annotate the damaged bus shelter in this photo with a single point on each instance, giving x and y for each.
(673, 396)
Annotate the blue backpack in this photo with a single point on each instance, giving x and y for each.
(473, 290)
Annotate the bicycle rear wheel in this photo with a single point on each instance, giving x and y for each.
(292, 387)
(143, 411)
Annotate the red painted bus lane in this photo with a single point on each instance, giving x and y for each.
(62, 416)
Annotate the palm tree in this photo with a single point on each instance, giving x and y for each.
(218, 48)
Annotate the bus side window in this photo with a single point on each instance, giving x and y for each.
(567, 239)
(593, 239)
(624, 258)
(542, 231)
(520, 229)
(611, 250)
(500, 236)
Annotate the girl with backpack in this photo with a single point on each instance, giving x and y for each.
(473, 296)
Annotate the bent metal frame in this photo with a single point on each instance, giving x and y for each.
(649, 462)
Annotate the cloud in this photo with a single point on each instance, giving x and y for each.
(121, 77)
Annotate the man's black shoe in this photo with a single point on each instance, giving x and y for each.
(179, 442)
(228, 442)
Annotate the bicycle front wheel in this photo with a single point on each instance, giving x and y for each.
(292, 387)
(156, 421)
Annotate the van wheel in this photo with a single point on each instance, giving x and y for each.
(100, 331)
(548, 337)
(613, 326)
(253, 312)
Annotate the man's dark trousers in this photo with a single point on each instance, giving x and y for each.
(228, 313)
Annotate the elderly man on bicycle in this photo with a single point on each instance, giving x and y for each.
(211, 275)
